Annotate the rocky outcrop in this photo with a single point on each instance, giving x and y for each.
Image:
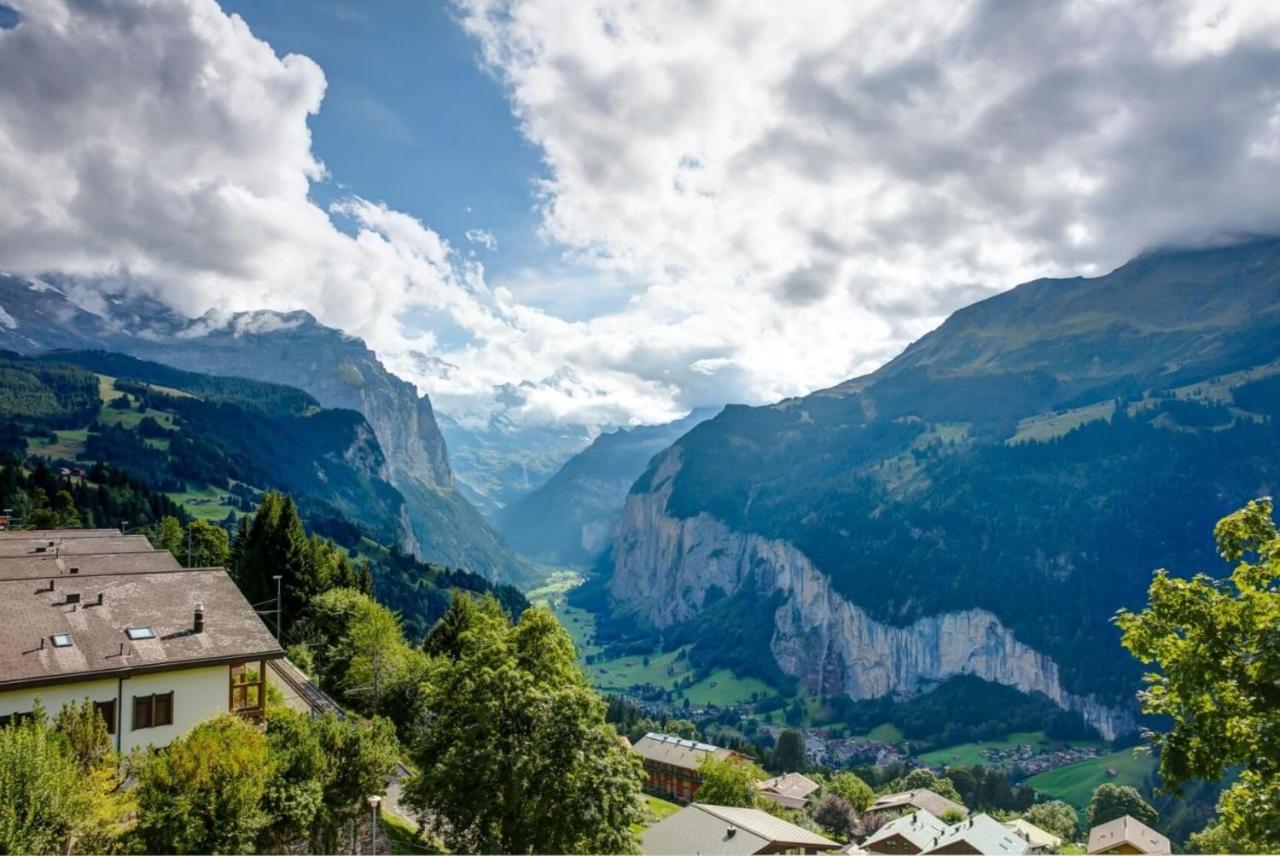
(664, 569)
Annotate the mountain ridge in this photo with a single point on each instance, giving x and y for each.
(292, 348)
(1038, 477)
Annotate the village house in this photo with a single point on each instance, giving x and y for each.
(1126, 835)
(911, 833)
(790, 790)
(1038, 840)
(920, 798)
(671, 763)
(714, 829)
(93, 614)
(923, 832)
(980, 834)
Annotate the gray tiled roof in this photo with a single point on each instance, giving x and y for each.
(985, 835)
(921, 798)
(49, 566)
(712, 829)
(31, 613)
(676, 751)
(920, 828)
(71, 542)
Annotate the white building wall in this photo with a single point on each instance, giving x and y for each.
(54, 697)
(198, 694)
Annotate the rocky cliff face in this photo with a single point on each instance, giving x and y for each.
(665, 567)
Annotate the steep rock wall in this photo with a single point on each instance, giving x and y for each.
(664, 568)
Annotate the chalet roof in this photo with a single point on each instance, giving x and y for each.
(677, 751)
(32, 613)
(920, 828)
(790, 789)
(1127, 830)
(50, 566)
(70, 542)
(984, 834)
(920, 798)
(1034, 835)
(713, 829)
(790, 784)
(61, 534)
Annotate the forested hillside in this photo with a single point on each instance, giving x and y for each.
(183, 445)
(1035, 458)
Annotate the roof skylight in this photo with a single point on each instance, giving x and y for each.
(62, 640)
(140, 633)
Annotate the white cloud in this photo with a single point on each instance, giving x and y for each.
(483, 238)
(775, 196)
(804, 187)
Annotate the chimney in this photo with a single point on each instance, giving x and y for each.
(198, 626)
(731, 831)
(99, 598)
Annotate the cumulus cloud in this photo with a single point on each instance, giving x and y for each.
(804, 187)
(774, 197)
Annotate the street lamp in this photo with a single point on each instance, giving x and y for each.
(373, 800)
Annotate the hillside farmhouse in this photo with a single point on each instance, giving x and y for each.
(93, 614)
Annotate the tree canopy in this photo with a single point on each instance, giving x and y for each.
(1110, 801)
(1216, 648)
(514, 753)
(729, 781)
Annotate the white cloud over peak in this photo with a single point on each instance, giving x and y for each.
(804, 187)
(774, 196)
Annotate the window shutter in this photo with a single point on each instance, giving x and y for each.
(164, 709)
(142, 712)
(107, 710)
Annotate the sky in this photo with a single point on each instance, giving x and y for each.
(607, 212)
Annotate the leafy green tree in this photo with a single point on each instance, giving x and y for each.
(852, 789)
(923, 777)
(47, 804)
(836, 815)
(1055, 817)
(514, 753)
(85, 732)
(360, 755)
(1216, 645)
(681, 728)
(789, 755)
(168, 535)
(295, 792)
(444, 639)
(729, 781)
(1110, 801)
(204, 792)
(379, 656)
(207, 545)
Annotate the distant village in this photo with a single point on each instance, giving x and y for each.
(793, 815)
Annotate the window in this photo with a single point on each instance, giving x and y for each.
(107, 710)
(62, 640)
(15, 718)
(152, 711)
(140, 633)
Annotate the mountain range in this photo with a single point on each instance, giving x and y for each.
(292, 348)
(980, 505)
(572, 517)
